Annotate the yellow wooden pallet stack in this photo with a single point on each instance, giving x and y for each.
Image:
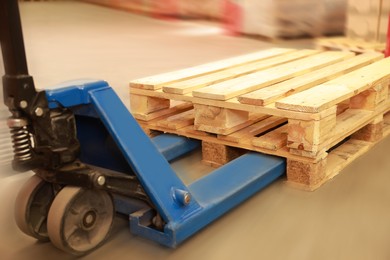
(349, 44)
(320, 110)
(367, 20)
(366, 28)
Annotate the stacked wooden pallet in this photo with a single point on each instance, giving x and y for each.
(367, 20)
(366, 28)
(320, 110)
(349, 44)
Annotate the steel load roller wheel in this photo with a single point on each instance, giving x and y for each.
(80, 219)
(31, 207)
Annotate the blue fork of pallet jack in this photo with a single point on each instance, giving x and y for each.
(212, 195)
(216, 193)
(173, 146)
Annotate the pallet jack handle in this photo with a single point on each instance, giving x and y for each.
(17, 84)
(12, 44)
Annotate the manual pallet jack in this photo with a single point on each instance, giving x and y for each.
(92, 159)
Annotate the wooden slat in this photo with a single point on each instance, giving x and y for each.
(337, 90)
(264, 78)
(286, 88)
(348, 123)
(165, 112)
(186, 86)
(178, 121)
(157, 81)
(223, 121)
(251, 131)
(273, 140)
(342, 156)
(356, 45)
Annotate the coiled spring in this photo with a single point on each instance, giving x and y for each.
(20, 138)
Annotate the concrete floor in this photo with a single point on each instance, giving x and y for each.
(348, 218)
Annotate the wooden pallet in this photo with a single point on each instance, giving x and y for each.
(367, 20)
(348, 44)
(320, 110)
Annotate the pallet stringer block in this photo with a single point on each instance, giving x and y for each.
(219, 120)
(307, 175)
(216, 155)
(308, 135)
(370, 98)
(144, 105)
(372, 132)
(157, 108)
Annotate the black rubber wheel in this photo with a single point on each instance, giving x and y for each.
(80, 219)
(32, 206)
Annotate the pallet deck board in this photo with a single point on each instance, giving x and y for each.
(349, 44)
(254, 129)
(168, 111)
(261, 79)
(292, 86)
(334, 91)
(273, 140)
(186, 86)
(179, 120)
(157, 81)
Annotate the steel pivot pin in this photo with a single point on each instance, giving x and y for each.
(182, 196)
(101, 180)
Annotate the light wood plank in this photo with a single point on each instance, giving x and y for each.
(335, 91)
(143, 105)
(273, 140)
(178, 120)
(342, 156)
(157, 81)
(223, 121)
(371, 132)
(349, 43)
(186, 86)
(370, 98)
(286, 88)
(264, 78)
(253, 130)
(164, 112)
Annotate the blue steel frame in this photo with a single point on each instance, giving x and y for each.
(211, 196)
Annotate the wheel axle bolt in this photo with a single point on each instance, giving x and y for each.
(182, 196)
(23, 104)
(38, 111)
(89, 219)
(101, 180)
(187, 198)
